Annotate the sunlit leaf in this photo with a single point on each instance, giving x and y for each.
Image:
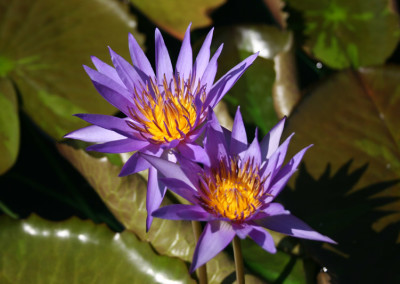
(268, 87)
(344, 33)
(126, 199)
(174, 16)
(349, 187)
(9, 125)
(75, 251)
(43, 47)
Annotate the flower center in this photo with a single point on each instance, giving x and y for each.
(231, 191)
(162, 114)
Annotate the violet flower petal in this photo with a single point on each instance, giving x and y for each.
(292, 226)
(163, 62)
(119, 146)
(215, 237)
(203, 57)
(214, 143)
(270, 142)
(209, 74)
(182, 212)
(185, 58)
(139, 58)
(155, 194)
(253, 152)
(180, 188)
(107, 70)
(238, 138)
(94, 133)
(194, 153)
(263, 239)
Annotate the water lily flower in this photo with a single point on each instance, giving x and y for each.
(164, 109)
(235, 193)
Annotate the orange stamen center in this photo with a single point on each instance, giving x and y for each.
(232, 191)
(162, 114)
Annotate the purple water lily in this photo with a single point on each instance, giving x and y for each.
(164, 110)
(235, 193)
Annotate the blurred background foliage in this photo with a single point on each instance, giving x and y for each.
(331, 66)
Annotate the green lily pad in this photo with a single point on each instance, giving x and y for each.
(174, 16)
(126, 199)
(9, 125)
(345, 34)
(349, 185)
(76, 251)
(45, 46)
(266, 89)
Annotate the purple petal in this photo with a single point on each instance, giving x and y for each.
(271, 209)
(203, 57)
(163, 62)
(180, 188)
(242, 230)
(114, 93)
(214, 143)
(168, 169)
(182, 212)
(155, 194)
(227, 81)
(138, 57)
(94, 133)
(239, 137)
(263, 239)
(253, 152)
(119, 146)
(283, 176)
(270, 142)
(185, 57)
(209, 74)
(135, 164)
(108, 122)
(125, 71)
(107, 70)
(292, 226)
(195, 153)
(215, 237)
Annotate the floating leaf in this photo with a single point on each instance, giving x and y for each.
(174, 16)
(254, 91)
(349, 186)
(76, 251)
(126, 199)
(344, 33)
(43, 47)
(9, 125)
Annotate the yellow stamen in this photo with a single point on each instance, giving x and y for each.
(165, 115)
(231, 191)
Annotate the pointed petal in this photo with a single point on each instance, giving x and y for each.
(253, 152)
(209, 74)
(135, 164)
(227, 81)
(155, 194)
(215, 237)
(114, 93)
(125, 71)
(107, 70)
(185, 57)
(263, 239)
(119, 146)
(94, 133)
(283, 176)
(292, 226)
(138, 57)
(214, 142)
(180, 188)
(163, 62)
(203, 57)
(109, 122)
(239, 137)
(270, 142)
(270, 210)
(195, 153)
(168, 169)
(182, 212)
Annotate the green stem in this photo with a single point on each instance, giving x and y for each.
(237, 251)
(202, 270)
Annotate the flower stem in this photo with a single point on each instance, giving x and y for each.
(237, 251)
(202, 270)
